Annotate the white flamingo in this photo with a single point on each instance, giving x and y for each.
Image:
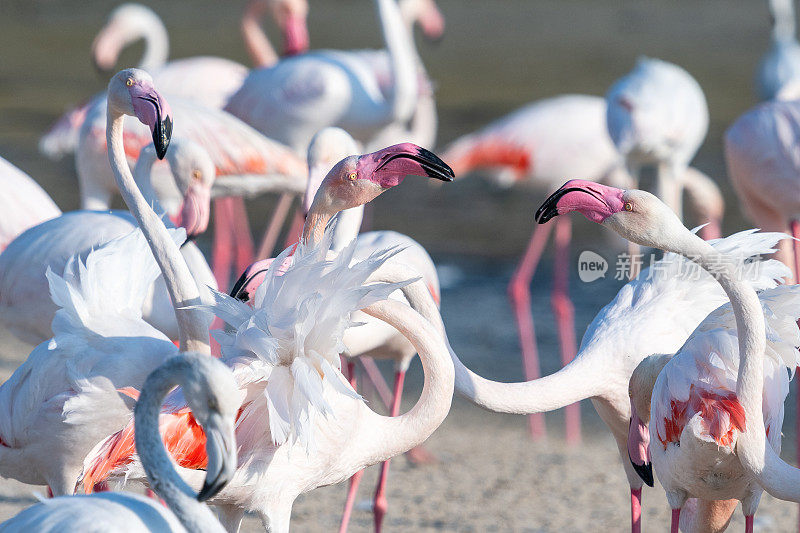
(212, 396)
(374, 338)
(309, 305)
(300, 95)
(23, 203)
(657, 115)
(25, 306)
(780, 66)
(715, 443)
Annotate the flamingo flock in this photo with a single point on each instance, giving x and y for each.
(150, 367)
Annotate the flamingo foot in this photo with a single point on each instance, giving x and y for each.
(636, 510)
(379, 511)
(419, 455)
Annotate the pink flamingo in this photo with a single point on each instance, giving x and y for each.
(25, 306)
(707, 399)
(291, 440)
(212, 395)
(374, 339)
(23, 203)
(539, 144)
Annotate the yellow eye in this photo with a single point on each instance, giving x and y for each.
(197, 175)
(129, 82)
(352, 176)
(628, 206)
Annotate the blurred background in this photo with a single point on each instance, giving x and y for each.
(496, 55)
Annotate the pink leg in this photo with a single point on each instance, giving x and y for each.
(222, 253)
(375, 377)
(520, 295)
(242, 235)
(564, 313)
(636, 510)
(296, 229)
(748, 524)
(50, 492)
(275, 224)
(381, 504)
(355, 480)
(712, 230)
(676, 518)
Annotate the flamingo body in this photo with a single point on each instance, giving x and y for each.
(23, 203)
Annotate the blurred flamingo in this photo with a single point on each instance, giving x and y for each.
(780, 66)
(291, 440)
(23, 204)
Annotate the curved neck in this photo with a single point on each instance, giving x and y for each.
(425, 122)
(576, 381)
(192, 326)
(385, 437)
(261, 52)
(403, 60)
(142, 175)
(156, 45)
(164, 480)
(348, 224)
(783, 26)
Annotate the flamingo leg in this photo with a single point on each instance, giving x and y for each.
(267, 245)
(296, 229)
(376, 378)
(748, 524)
(520, 295)
(381, 503)
(674, 524)
(355, 480)
(636, 510)
(243, 237)
(564, 312)
(222, 253)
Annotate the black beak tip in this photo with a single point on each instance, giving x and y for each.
(436, 168)
(210, 489)
(161, 137)
(644, 471)
(238, 286)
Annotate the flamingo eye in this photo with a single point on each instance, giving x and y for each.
(129, 82)
(628, 206)
(197, 175)
(352, 176)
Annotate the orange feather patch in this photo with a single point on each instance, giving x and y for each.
(711, 406)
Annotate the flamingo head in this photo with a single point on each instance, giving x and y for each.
(357, 180)
(427, 14)
(131, 92)
(194, 173)
(291, 15)
(126, 24)
(637, 215)
(253, 276)
(327, 147)
(213, 396)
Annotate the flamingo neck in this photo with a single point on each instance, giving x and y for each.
(143, 178)
(156, 45)
(403, 60)
(183, 291)
(385, 437)
(348, 224)
(260, 50)
(164, 480)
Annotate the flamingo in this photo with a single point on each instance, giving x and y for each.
(537, 145)
(780, 66)
(23, 203)
(374, 338)
(272, 440)
(204, 79)
(300, 95)
(247, 163)
(657, 115)
(212, 396)
(707, 407)
(25, 305)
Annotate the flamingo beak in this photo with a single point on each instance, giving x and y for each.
(153, 110)
(195, 210)
(222, 460)
(389, 166)
(250, 280)
(639, 447)
(594, 201)
(295, 35)
(105, 50)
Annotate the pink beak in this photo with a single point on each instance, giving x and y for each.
(153, 110)
(195, 210)
(253, 276)
(432, 24)
(389, 166)
(639, 447)
(594, 201)
(295, 35)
